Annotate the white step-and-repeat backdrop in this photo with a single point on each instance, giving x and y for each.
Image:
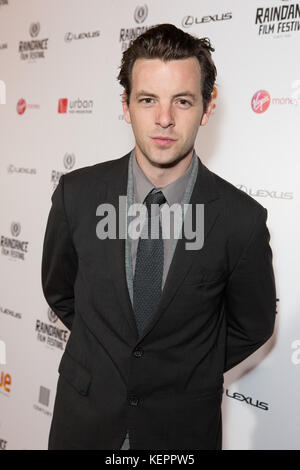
(61, 110)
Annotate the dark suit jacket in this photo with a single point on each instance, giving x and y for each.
(217, 307)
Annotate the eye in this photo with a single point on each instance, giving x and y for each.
(146, 100)
(184, 103)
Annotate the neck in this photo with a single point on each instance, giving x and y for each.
(162, 175)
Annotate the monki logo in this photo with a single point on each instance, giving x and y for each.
(5, 381)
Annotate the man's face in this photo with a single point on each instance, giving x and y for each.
(165, 108)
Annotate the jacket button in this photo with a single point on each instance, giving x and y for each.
(133, 401)
(138, 352)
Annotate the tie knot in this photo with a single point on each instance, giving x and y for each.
(154, 198)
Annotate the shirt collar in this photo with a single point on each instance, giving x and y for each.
(173, 192)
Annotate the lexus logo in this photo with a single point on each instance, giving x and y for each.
(68, 37)
(34, 29)
(187, 21)
(140, 14)
(190, 20)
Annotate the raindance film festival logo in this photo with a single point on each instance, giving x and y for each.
(68, 162)
(34, 48)
(275, 21)
(50, 332)
(78, 106)
(128, 35)
(262, 100)
(13, 247)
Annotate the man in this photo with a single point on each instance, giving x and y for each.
(154, 325)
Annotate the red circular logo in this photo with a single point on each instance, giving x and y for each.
(260, 101)
(21, 106)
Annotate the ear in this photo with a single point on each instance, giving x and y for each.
(126, 111)
(205, 116)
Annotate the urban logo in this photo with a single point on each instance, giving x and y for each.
(278, 20)
(35, 48)
(68, 162)
(44, 398)
(265, 193)
(2, 92)
(70, 36)
(190, 20)
(22, 106)
(249, 400)
(5, 382)
(128, 35)
(12, 247)
(75, 106)
(49, 334)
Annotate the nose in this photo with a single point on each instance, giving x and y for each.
(164, 116)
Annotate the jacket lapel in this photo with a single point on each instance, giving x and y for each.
(204, 192)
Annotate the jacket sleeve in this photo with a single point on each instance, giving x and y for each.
(59, 260)
(250, 298)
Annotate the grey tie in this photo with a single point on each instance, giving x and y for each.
(149, 264)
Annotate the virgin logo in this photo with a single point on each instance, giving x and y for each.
(260, 101)
(21, 106)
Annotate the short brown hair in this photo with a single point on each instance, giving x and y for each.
(166, 42)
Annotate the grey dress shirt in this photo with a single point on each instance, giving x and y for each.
(177, 192)
(173, 193)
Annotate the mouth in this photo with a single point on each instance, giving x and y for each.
(163, 141)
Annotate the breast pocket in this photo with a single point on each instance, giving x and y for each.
(202, 276)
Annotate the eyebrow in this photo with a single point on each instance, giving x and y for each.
(183, 93)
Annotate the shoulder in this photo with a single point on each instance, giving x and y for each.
(89, 174)
(234, 200)
(85, 186)
(242, 218)
(91, 181)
